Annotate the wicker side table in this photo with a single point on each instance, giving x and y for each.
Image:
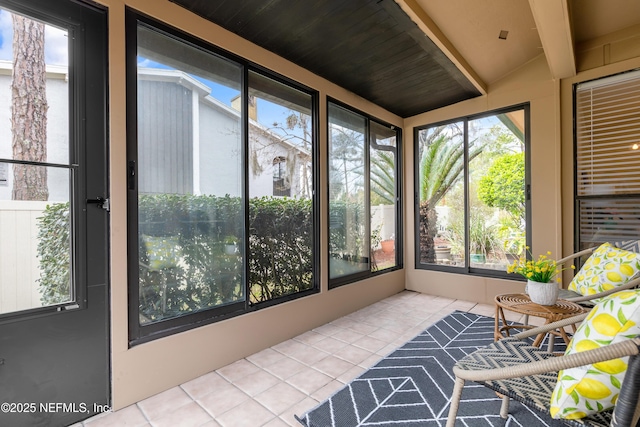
(520, 303)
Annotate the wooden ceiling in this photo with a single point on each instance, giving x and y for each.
(370, 47)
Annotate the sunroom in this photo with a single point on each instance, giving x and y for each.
(200, 201)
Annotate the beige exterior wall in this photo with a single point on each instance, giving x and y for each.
(153, 367)
(532, 83)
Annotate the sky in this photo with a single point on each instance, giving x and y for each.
(56, 53)
(55, 42)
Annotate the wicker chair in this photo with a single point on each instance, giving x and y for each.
(515, 369)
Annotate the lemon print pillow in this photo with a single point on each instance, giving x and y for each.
(606, 268)
(586, 390)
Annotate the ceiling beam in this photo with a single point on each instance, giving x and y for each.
(426, 24)
(553, 21)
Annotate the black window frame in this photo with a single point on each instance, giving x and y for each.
(399, 256)
(139, 334)
(467, 269)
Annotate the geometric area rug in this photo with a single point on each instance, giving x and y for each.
(412, 386)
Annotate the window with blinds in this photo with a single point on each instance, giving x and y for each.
(608, 159)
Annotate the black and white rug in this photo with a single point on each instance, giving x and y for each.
(412, 386)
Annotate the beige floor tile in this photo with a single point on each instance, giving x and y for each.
(349, 335)
(308, 354)
(329, 344)
(256, 383)
(298, 409)
(363, 328)
(277, 422)
(204, 385)
(327, 391)
(328, 330)
(286, 368)
(352, 354)
(333, 366)
(309, 381)
(310, 337)
(129, 416)
(250, 414)
(352, 373)
(384, 335)
(189, 415)
(265, 357)
(222, 400)
(369, 343)
(387, 349)
(163, 403)
(370, 361)
(289, 346)
(237, 370)
(281, 397)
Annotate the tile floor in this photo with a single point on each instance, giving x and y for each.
(269, 387)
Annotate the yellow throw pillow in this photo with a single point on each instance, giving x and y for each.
(586, 390)
(606, 268)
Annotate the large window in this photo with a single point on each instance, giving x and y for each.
(209, 236)
(363, 196)
(607, 173)
(472, 192)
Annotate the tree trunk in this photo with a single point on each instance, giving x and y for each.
(428, 230)
(29, 110)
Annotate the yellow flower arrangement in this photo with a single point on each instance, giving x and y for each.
(543, 270)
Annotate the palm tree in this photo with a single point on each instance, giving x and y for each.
(441, 167)
(383, 176)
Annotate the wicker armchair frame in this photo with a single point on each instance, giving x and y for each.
(626, 412)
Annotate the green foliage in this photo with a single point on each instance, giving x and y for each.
(280, 245)
(503, 185)
(198, 274)
(383, 178)
(53, 251)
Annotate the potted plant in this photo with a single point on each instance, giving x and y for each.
(231, 245)
(540, 274)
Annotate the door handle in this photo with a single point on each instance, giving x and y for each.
(101, 202)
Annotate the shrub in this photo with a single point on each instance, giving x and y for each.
(183, 265)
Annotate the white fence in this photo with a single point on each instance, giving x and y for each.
(383, 216)
(19, 269)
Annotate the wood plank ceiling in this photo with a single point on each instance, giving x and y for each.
(370, 47)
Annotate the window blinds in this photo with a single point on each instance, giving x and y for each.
(608, 135)
(608, 158)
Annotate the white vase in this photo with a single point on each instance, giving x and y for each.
(542, 293)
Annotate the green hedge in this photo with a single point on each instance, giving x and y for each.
(184, 266)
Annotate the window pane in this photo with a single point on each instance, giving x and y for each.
(280, 187)
(35, 263)
(35, 249)
(497, 216)
(190, 163)
(608, 220)
(441, 191)
(477, 220)
(34, 94)
(383, 154)
(348, 222)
